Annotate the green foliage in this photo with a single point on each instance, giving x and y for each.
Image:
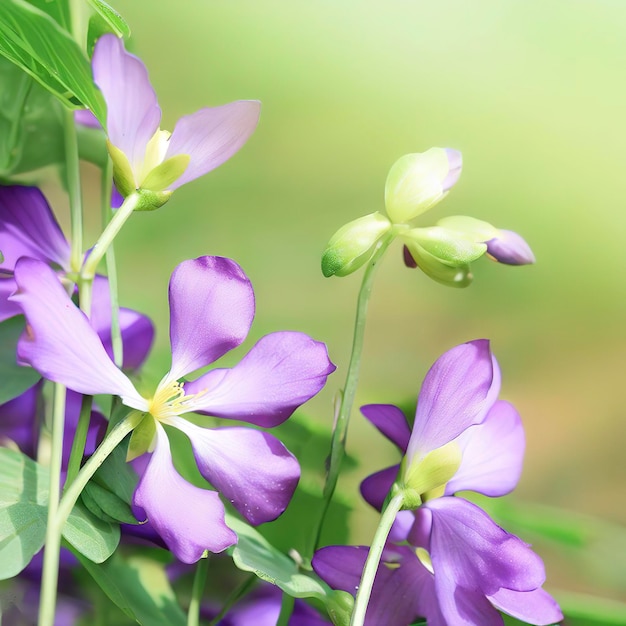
(58, 10)
(139, 587)
(15, 378)
(112, 20)
(35, 42)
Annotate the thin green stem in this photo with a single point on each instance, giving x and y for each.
(238, 593)
(105, 206)
(338, 442)
(199, 583)
(286, 609)
(373, 559)
(50, 573)
(108, 235)
(80, 439)
(72, 166)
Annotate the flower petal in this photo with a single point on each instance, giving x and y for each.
(533, 607)
(375, 487)
(28, 228)
(457, 392)
(133, 113)
(137, 329)
(60, 343)
(493, 453)
(189, 519)
(251, 468)
(282, 371)
(8, 308)
(211, 136)
(211, 310)
(469, 550)
(390, 421)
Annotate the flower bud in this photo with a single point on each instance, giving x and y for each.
(418, 181)
(450, 275)
(448, 246)
(353, 244)
(509, 248)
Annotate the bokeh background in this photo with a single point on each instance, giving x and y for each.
(534, 95)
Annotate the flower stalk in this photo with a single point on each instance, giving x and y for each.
(199, 583)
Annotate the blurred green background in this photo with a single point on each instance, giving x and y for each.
(534, 95)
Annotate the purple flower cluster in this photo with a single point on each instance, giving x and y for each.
(447, 561)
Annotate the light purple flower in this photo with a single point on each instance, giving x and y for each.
(28, 228)
(199, 143)
(510, 248)
(212, 306)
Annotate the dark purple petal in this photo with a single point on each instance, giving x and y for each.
(189, 519)
(250, 468)
(211, 136)
(137, 329)
(18, 421)
(133, 113)
(28, 228)
(390, 421)
(211, 310)
(401, 527)
(469, 550)
(59, 341)
(375, 487)
(282, 371)
(493, 453)
(510, 249)
(457, 392)
(341, 566)
(536, 607)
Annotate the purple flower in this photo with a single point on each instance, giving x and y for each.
(510, 248)
(28, 228)
(147, 157)
(212, 307)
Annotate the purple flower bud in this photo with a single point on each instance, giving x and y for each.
(510, 249)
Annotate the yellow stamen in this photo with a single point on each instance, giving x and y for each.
(170, 401)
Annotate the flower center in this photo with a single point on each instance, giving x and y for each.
(170, 401)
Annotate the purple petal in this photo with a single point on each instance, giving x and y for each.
(469, 550)
(85, 117)
(341, 566)
(211, 136)
(457, 392)
(211, 310)
(137, 329)
(493, 453)
(401, 527)
(28, 228)
(8, 308)
(510, 249)
(534, 607)
(18, 421)
(133, 113)
(60, 343)
(251, 468)
(390, 421)
(282, 371)
(375, 487)
(189, 519)
(455, 165)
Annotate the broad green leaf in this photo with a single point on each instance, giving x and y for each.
(90, 535)
(59, 10)
(33, 40)
(253, 553)
(139, 587)
(106, 505)
(113, 19)
(14, 378)
(23, 499)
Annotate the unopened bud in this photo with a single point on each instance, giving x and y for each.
(510, 248)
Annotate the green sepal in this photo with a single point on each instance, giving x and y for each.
(448, 246)
(353, 244)
(473, 229)
(434, 470)
(151, 200)
(122, 171)
(452, 276)
(141, 438)
(164, 174)
(339, 606)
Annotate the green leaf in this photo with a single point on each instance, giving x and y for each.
(253, 553)
(23, 511)
(111, 17)
(139, 587)
(15, 378)
(35, 42)
(106, 505)
(59, 10)
(90, 535)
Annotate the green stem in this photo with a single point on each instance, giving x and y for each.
(338, 443)
(286, 609)
(373, 559)
(73, 189)
(199, 583)
(105, 205)
(50, 573)
(108, 235)
(238, 593)
(80, 438)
